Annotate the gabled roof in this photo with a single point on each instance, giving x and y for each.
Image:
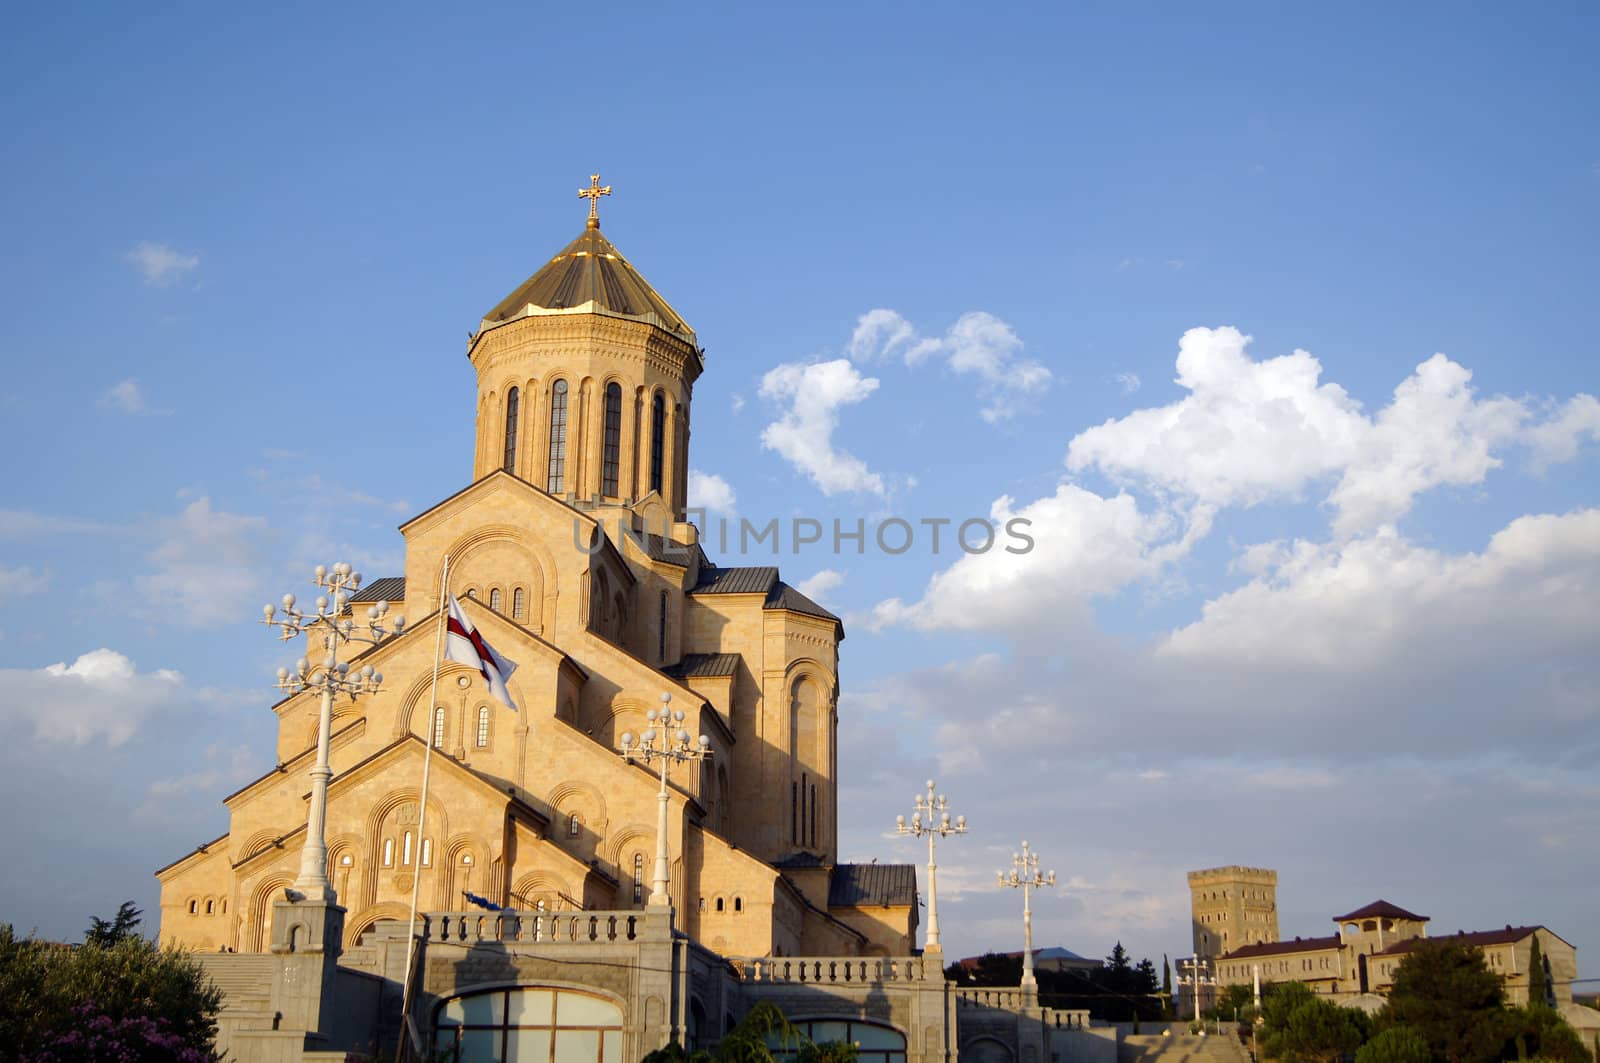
(1279, 948)
(783, 596)
(1479, 938)
(862, 885)
(668, 551)
(794, 861)
(589, 273)
(1380, 910)
(704, 666)
(751, 579)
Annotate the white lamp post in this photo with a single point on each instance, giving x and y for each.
(331, 676)
(1198, 969)
(938, 825)
(660, 742)
(1026, 876)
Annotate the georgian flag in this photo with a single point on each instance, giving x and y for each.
(463, 644)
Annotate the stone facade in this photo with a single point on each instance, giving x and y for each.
(571, 555)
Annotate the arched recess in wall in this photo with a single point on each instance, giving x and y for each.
(254, 845)
(625, 713)
(541, 886)
(262, 894)
(414, 714)
(465, 867)
(359, 926)
(391, 817)
(506, 555)
(584, 799)
(808, 789)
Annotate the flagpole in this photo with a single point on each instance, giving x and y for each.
(422, 805)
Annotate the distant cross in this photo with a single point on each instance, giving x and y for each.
(593, 194)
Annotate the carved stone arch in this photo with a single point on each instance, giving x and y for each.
(438, 826)
(415, 696)
(259, 913)
(543, 573)
(457, 877)
(257, 843)
(625, 713)
(371, 916)
(536, 886)
(576, 789)
(625, 840)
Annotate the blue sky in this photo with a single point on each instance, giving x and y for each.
(1278, 612)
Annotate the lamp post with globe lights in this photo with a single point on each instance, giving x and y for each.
(1026, 876)
(661, 742)
(939, 825)
(331, 677)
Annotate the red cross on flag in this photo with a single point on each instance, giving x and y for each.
(463, 644)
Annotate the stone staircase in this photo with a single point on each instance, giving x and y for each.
(1182, 1048)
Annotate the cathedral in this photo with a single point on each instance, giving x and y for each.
(571, 554)
(554, 918)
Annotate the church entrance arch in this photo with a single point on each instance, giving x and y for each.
(529, 1022)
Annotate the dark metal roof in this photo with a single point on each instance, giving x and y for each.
(861, 885)
(1467, 937)
(1380, 910)
(660, 548)
(387, 589)
(590, 270)
(794, 860)
(783, 596)
(1278, 948)
(756, 579)
(704, 665)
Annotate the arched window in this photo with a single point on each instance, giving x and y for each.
(613, 441)
(658, 440)
(194, 907)
(427, 852)
(438, 728)
(388, 852)
(638, 877)
(519, 603)
(483, 726)
(574, 825)
(661, 649)
(211, 906)
(555, 479)
(405, 850)
(738, 904)
(531, 1022)
(512, 398)
(721, 904)
(496, 599)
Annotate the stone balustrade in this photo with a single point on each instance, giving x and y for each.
(1066, 1019)
(830, 970)
(1002, 997)
(532, 927)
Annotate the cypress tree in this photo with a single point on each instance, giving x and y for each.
(1538, 985)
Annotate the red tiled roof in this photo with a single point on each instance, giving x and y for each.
(1504, 936)
(1280, 948)
(1380, 910)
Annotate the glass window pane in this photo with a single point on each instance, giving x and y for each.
(529, 1007)
(876, 1036)
(574, 1009)
(823, 1032)
(480, 1046)
(577, 1046)
(528, 1046)
(452, 1012)
(484, 1009)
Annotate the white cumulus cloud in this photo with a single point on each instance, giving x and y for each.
(978, 345)
(101, 695)
(126, 396)
(204, 567)
(161, 264)
(21, 581)
(819, 583)
(711, 492)
(803, 434)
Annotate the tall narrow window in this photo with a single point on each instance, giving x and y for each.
(638, 877)
(438, 728)
(813, 815)
(613, 441)
(496, 599)
(388, 852)
(658, 440)
(513, 397)
(427, 852)
(483, 726)
(804, 781)
(405, 850)
(794, 813)
(519, 603)
(661, 650)
(555, 479)
(574, 825)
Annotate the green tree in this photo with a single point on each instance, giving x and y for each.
(126, 1000)
(1166, 987)
(1398, 1044)
(763, 1028)
(1538, 984)
(1301, 1027)
(1538, 1032)
(1443, 991)
(120, 927)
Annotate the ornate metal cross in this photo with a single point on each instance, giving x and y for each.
(593, 194)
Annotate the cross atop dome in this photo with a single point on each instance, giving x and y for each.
(593, 194)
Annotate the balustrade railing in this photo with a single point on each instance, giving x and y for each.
(990, 997)
(535, 927)
(1066, 1019)
(830, 970)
